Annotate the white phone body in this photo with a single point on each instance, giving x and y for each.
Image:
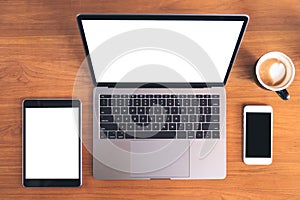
(258, 135)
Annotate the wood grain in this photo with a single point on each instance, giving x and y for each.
(41, 55)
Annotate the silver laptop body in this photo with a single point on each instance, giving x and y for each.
(152, 120)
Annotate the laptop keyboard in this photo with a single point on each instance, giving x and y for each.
(160, 116)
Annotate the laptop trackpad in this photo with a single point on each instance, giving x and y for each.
(160, 159)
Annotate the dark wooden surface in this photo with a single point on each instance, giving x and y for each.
(41, 54)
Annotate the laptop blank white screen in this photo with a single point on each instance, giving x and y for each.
(212, 45)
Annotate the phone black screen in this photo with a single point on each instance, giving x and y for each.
(258, 135)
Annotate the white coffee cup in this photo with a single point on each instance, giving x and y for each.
(275, 71)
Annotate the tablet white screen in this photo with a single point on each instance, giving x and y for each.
(52, 143)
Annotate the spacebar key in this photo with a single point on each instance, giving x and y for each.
(155, 134)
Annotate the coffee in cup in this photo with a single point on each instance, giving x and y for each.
(275, 71)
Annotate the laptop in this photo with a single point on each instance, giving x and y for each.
(159, 102)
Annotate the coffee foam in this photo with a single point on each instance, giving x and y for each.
(273, 72)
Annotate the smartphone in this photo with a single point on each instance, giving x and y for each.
(258, 135)
(51, 143)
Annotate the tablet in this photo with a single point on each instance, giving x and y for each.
(51, 143)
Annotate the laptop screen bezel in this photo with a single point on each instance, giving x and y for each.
(175, 17)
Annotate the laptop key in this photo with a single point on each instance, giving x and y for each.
(145, 102)
(155, 134)
(120, 134)
(132, 110)
(126, 118)
(116, 110)
(135, 118)
(210, 126)
(207, 110)
(166, 110)
(106, 118)
(186, 102)
(151, 118)
(128, 102)
(103, 102)
(108, 126)
(184, 118)
(155, 126)
(189, 126)
(216, 134)
(112, 135)
(105, 96)
(178, 102)
(139, 126)
(199, 110)
(136, 102)
(157, 110)
(191, 110)
(153, 102)
(212, 118)
(201, 118)
(168, 118)
(124, 110)
(159, 118)
(174, 110)
(170, 102)
(193, 118)
(103, 135)
(207, 134)
(141, 110)
(197, 126)
(129, 135)
(203, 102)
(181, 134)
(180, 126)
(147, 127)
(120, 102)
(215, 110)
(111, 102)
(118, 118)
(122, 126)
(164, 126)
(195, 102)
(213, 102)
(172, 126)
(191, 134)
(183, 110)
(130, 127)
(143, 118)
(105, 110)
(176, 118)
(199, 134)
(162, 102)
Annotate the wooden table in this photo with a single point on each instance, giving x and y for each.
(41, 53)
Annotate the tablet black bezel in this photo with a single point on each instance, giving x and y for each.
(174, 17)
(50, 103)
